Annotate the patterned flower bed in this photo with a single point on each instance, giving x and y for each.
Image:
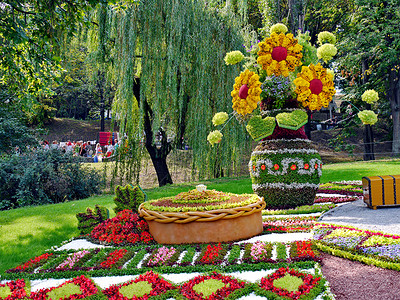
(343, 188)
(335, 199)
(370, 247)
(305, 209)
(289, 224)
(174, 259)
(283, 283)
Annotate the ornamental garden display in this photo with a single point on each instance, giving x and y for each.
(203, 216)
(282, 81)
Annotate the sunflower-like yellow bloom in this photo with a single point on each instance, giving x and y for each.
(279, 54)
(246, 92)
(314, 87)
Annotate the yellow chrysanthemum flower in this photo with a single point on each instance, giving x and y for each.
(314, 87)
(279, 54)
(246, 92)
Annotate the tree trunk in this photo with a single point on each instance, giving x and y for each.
(394, 98)
(159, 154)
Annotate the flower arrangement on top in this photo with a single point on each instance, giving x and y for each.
(282, 79)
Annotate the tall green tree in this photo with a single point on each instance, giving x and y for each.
(166, 58)
(30, 37)
(370, 47)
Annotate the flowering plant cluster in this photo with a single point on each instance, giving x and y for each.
(260, 251)
(335, 199)
(228, 285)
(161, 256)
(211, 254)
(113, 258)
(125, 228)
(86, 286)
(16, 289)
(152, 284)
(73, 259)
(304, 249)
(32, 264)
(370, 247)
(308, 283)
(289, 224)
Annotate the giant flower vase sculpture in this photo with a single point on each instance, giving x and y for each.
(273, 97)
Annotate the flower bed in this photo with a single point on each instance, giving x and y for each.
(78, 288)
(15, 289)
(194, 258)
(289, 224)
(370, 247)
(341, 188)
(305, 209)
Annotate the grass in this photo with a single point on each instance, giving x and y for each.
(27, 232)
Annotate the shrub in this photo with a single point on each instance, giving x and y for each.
(88, 220)
(42, 177)
(128, 197)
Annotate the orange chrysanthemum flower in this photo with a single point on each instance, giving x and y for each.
(314, 87)
(279, 54)
(246, 92)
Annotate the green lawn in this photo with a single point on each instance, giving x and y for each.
(29, 231)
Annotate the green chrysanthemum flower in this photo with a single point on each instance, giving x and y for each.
(233, 57)
(326, 52)
(370, 96)
(368, 117)
(214, 137)
(278, 28)
(325, 37)
(220, 118)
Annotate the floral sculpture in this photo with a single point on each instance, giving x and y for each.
(283, 79)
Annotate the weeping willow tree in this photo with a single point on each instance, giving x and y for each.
(166, 59)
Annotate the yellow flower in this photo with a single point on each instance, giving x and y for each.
(220, 118)
(246, 92)
(279, 54)
(368, 117)
(370, 96)
(314, 87)
(278, 28)
(214, 137)
(233, 57)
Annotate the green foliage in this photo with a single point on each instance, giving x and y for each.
(208, 287)
(128, 197)
(14, 133)
(288, 282)
(64, 291)
(172, 50)
(91, 218)
(42, 177)
(293, 120)
(259, 128)
(137, 289)
(5, 292)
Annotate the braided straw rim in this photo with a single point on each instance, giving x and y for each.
(201, 216)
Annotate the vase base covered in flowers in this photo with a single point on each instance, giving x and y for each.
(285, 172)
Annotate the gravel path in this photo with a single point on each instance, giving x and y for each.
(352, 280)
(357, 214)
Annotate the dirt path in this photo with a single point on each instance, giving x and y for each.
(352, 280)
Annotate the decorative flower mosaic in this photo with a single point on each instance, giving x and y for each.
(246, 92)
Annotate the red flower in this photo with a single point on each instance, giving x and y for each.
(306, 166)
(254, 168)
(316, 166)
(263, 167)
(113, 258)
(293, 167)
(276, 167)
(211, 253)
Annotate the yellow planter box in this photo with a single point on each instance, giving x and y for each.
(381, 190)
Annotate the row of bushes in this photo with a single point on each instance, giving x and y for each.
(43, 177)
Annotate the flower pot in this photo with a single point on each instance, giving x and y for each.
(285, 173)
